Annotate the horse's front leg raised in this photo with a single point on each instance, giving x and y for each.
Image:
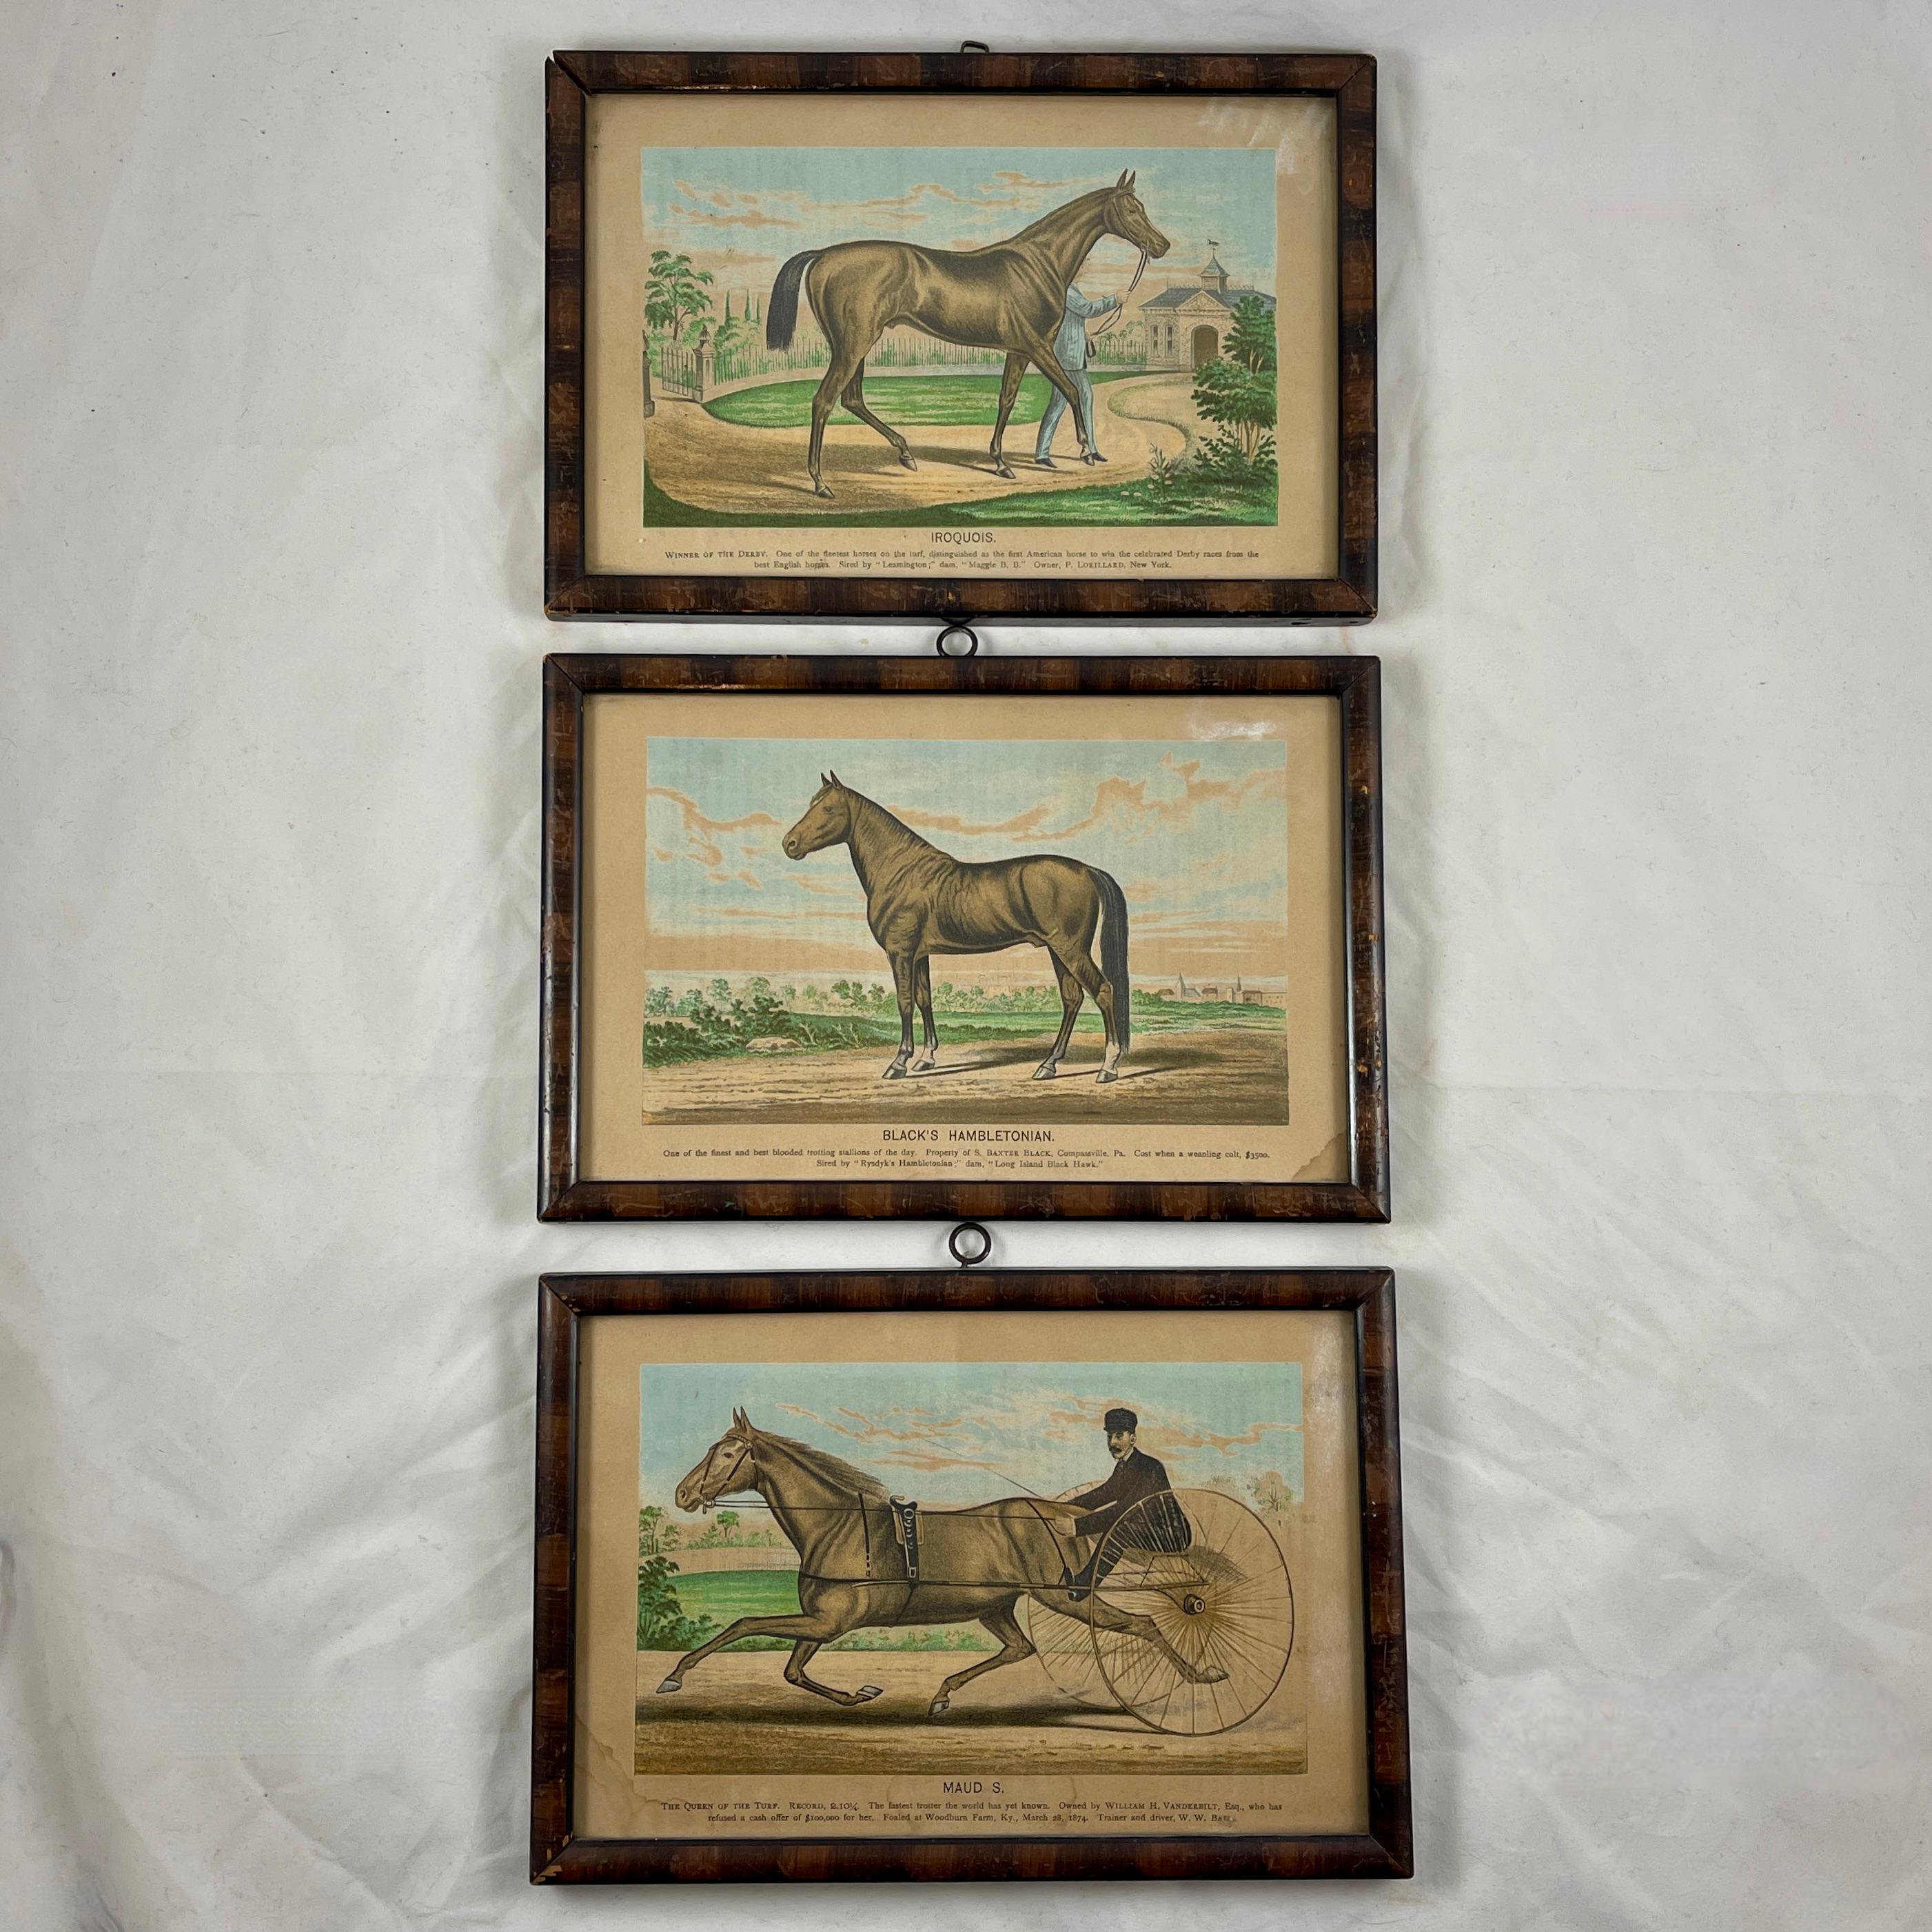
(1010, 390)
(903, 974)
(807, 1633)
(928, 1052)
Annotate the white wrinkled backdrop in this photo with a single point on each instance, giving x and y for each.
(1654, 351)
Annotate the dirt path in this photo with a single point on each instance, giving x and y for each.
(1201, 1078)
(713, 465)
(736, 1713)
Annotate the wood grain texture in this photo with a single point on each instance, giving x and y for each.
(570, 591)
(1383, 1851)
(566, 1195)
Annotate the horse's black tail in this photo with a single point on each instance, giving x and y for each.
(782, 315)
(1113, 953)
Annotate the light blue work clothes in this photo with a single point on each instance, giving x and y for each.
(1070, 345)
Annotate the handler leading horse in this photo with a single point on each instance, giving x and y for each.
(920, 900)
(1009, 295)
(975, 1562)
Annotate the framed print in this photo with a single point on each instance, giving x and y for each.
(938, 336)
(968, 1576)
(844, 936)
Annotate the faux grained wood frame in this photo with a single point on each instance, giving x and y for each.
(566, 1195)
(559, 1857)
(570, 590)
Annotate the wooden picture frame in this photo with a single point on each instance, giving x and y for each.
(1346, 1110)
(582, 1572)
(576, 585)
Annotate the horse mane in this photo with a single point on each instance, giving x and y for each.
(1054, 217)
(899, 836)
(825, 1463)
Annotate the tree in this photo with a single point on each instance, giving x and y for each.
(676, 304)
(658, 1000)
(661, 1622)
(727, 1523)
(652, 1524)
(721, 991)
(1271, 1493)
(1237, 390)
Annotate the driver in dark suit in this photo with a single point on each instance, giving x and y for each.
(1137, 1477)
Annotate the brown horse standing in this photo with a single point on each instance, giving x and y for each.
(920, 900)
(1009, 295)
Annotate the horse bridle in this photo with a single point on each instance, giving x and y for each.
(1140, 269)
(708, 1503)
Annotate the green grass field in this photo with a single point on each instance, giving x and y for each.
(821, 1033)
(723, 1595)
(907, 402)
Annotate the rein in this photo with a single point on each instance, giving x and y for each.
(1140, 269)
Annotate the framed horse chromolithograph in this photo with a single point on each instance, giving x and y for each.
(940, 336)
(930, 936)
(968, 1575)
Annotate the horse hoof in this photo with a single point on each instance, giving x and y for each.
(669, 1684)
(939, 1707)
(895, 1072)
(1106, 1075)
(1046, 1071)
(820, 490)
(906, 461)
(1003, 470)
(865, 1693)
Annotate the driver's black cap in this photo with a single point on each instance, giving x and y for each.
(1116, 1419)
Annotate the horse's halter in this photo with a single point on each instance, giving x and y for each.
(729, 1481)
(1140, 268)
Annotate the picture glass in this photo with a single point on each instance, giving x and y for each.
(807, 314)
(1014, 1574)
(936, 937)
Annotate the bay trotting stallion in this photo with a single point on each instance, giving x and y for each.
(1009, 295)
(920, 900)
(975, 1563)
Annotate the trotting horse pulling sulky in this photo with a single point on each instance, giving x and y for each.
(1193, 1638)
(1009, 295)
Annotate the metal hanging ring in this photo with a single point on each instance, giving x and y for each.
(966, 630)
(964, 1256)
(974, 47)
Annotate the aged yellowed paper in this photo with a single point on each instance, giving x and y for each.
(746, 254)
(855, 938)
(1246, 1420)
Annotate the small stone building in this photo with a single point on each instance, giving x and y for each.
(1188, 322)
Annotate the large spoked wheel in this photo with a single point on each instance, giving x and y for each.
(1063, 1641)
(1192, 1619)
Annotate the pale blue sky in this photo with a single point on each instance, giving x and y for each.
(765, 204)
(968, 1431)
(1196, 833)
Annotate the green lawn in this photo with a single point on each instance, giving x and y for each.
(906, 402)
(821, 1033)
(723, 1595)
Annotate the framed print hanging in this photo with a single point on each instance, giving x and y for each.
(968, 1576)
(844, 936)
(903, 335)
